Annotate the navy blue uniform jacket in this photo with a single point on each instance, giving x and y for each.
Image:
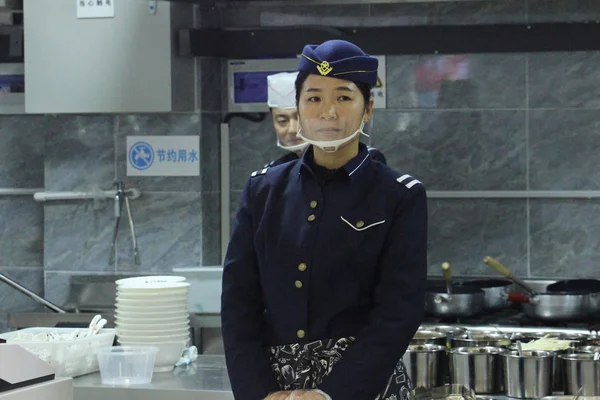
(309, 261)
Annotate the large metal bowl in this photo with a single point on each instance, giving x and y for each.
(428, 337)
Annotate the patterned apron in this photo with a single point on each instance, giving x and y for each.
(304, 367)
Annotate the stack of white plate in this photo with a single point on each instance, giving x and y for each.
(153, 311)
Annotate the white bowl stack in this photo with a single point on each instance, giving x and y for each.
(153, 311)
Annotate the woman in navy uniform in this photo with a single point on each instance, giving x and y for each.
(281, 98)
(324, 277)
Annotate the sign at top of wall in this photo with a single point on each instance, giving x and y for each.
(95, 8)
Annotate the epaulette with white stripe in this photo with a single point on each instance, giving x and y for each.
(259, 172)
(408, 181)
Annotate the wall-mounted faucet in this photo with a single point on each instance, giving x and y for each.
(120, 198)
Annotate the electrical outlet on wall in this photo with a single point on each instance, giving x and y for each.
(95, 8)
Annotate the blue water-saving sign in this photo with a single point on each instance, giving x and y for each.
(163, 155)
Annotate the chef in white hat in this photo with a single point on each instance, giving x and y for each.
(281, 94)
(282, 102)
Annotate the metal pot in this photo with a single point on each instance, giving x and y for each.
(557, 368)
(496, 292)
(426, 365)
(580, 286)
(581, 372)
(594, 302)
(554, 306)
(528, 375)
(575, 285)
(479, 368)
(463, 302)
(586, 349)
(428, 337)
(453, 301)
(546, 306)
(480, 339)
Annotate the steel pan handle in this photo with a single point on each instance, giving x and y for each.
(447, 276)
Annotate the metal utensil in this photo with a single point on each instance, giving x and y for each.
(122, 197)
(24, 290)
(519, 348)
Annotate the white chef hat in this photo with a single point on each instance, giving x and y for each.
(281, 90)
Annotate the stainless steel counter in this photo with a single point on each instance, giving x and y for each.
(205, 379)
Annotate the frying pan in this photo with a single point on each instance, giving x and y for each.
(552, 306)
(575, 285)
(453, 301)
(496, 292)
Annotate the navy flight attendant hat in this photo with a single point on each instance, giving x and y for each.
(339, 59)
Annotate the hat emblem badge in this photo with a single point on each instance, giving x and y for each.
(324, 68)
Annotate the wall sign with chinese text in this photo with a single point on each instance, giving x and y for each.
(163, 155)
(95, 8)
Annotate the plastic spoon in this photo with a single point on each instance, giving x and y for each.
(92, 325)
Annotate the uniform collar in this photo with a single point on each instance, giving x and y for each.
(352, 169)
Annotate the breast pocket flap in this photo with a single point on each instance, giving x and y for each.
(360, 225)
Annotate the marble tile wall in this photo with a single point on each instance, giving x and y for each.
(51, 242)
(522, 121)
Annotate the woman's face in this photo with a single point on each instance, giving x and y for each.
(331, 108)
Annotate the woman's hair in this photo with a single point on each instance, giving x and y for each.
(365, 89)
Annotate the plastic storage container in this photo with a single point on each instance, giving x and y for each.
(126, 365)
(70, 358)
